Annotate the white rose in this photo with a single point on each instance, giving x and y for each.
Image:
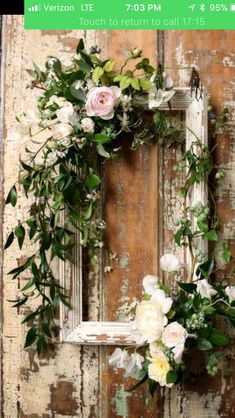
(169, 262)
(230, 292)
(88, 125)
(205, 289)
(119, 358)
(160, 297)
(61, 130)
(149, 284)
(150, 320)
(158, 368)
(64, 113)
(174, 335)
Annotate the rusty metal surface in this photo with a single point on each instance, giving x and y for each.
(75, 381)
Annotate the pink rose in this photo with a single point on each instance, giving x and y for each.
(101, 101)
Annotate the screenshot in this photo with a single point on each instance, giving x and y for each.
(117, 238)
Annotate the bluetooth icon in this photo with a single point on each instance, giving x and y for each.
(202, 7)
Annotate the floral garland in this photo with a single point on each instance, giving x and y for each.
(168, 327)
(84, 107)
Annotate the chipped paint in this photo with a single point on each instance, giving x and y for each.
(120, 401)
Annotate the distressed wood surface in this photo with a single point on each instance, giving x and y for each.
(212, 52)
(76, 381)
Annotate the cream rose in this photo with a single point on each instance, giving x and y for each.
(88, 125)
(101, 101)
(158, 368)
(150, 320)
(174, 335)
(61, 130)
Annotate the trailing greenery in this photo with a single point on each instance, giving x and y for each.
(83, 108)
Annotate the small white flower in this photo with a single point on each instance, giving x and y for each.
(64, 113)
(78, 84)
(119, 358)
(135, 361)
(174, 335)
(169, 262)
(150, 284)
(125, 101)
(205, 289)
(167, 82)
(157, 97)
(88, 125)
(51, 159)
(107, 269)
(230, 292)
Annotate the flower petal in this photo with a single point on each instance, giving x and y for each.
(149, 284)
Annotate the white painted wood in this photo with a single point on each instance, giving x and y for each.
(73, 328)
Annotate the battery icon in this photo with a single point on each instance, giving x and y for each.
(232, 7)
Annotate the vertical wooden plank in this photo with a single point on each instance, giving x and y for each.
(64, 382)
(212, 52)
(131, 212)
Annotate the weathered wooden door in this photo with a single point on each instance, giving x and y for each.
(73, 380)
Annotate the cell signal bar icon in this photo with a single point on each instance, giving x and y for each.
(35, 8)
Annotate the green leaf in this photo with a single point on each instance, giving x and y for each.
(145, 83)
(187, 287)
(218, 338)
(125, 82)
(12, 196)
(101, 151)
(9, 240)
(92, 181)
(203, 344)
(204, 270)
(80, 46)
(152, 386)
(20, 234)
(109, 66)
(18, 302)
(63, 299)
(135, 83)
(178, 236)
(41, 343)
(30, 283)
(171, 376)
(26, 167)
(30, 317)
(46, 329)
(226, 252)
(31, 336)
(79, 94)
(212, 235)
(97, 73)
(88, 212)
(102, 138)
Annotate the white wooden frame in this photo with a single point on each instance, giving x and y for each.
(73, 328)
